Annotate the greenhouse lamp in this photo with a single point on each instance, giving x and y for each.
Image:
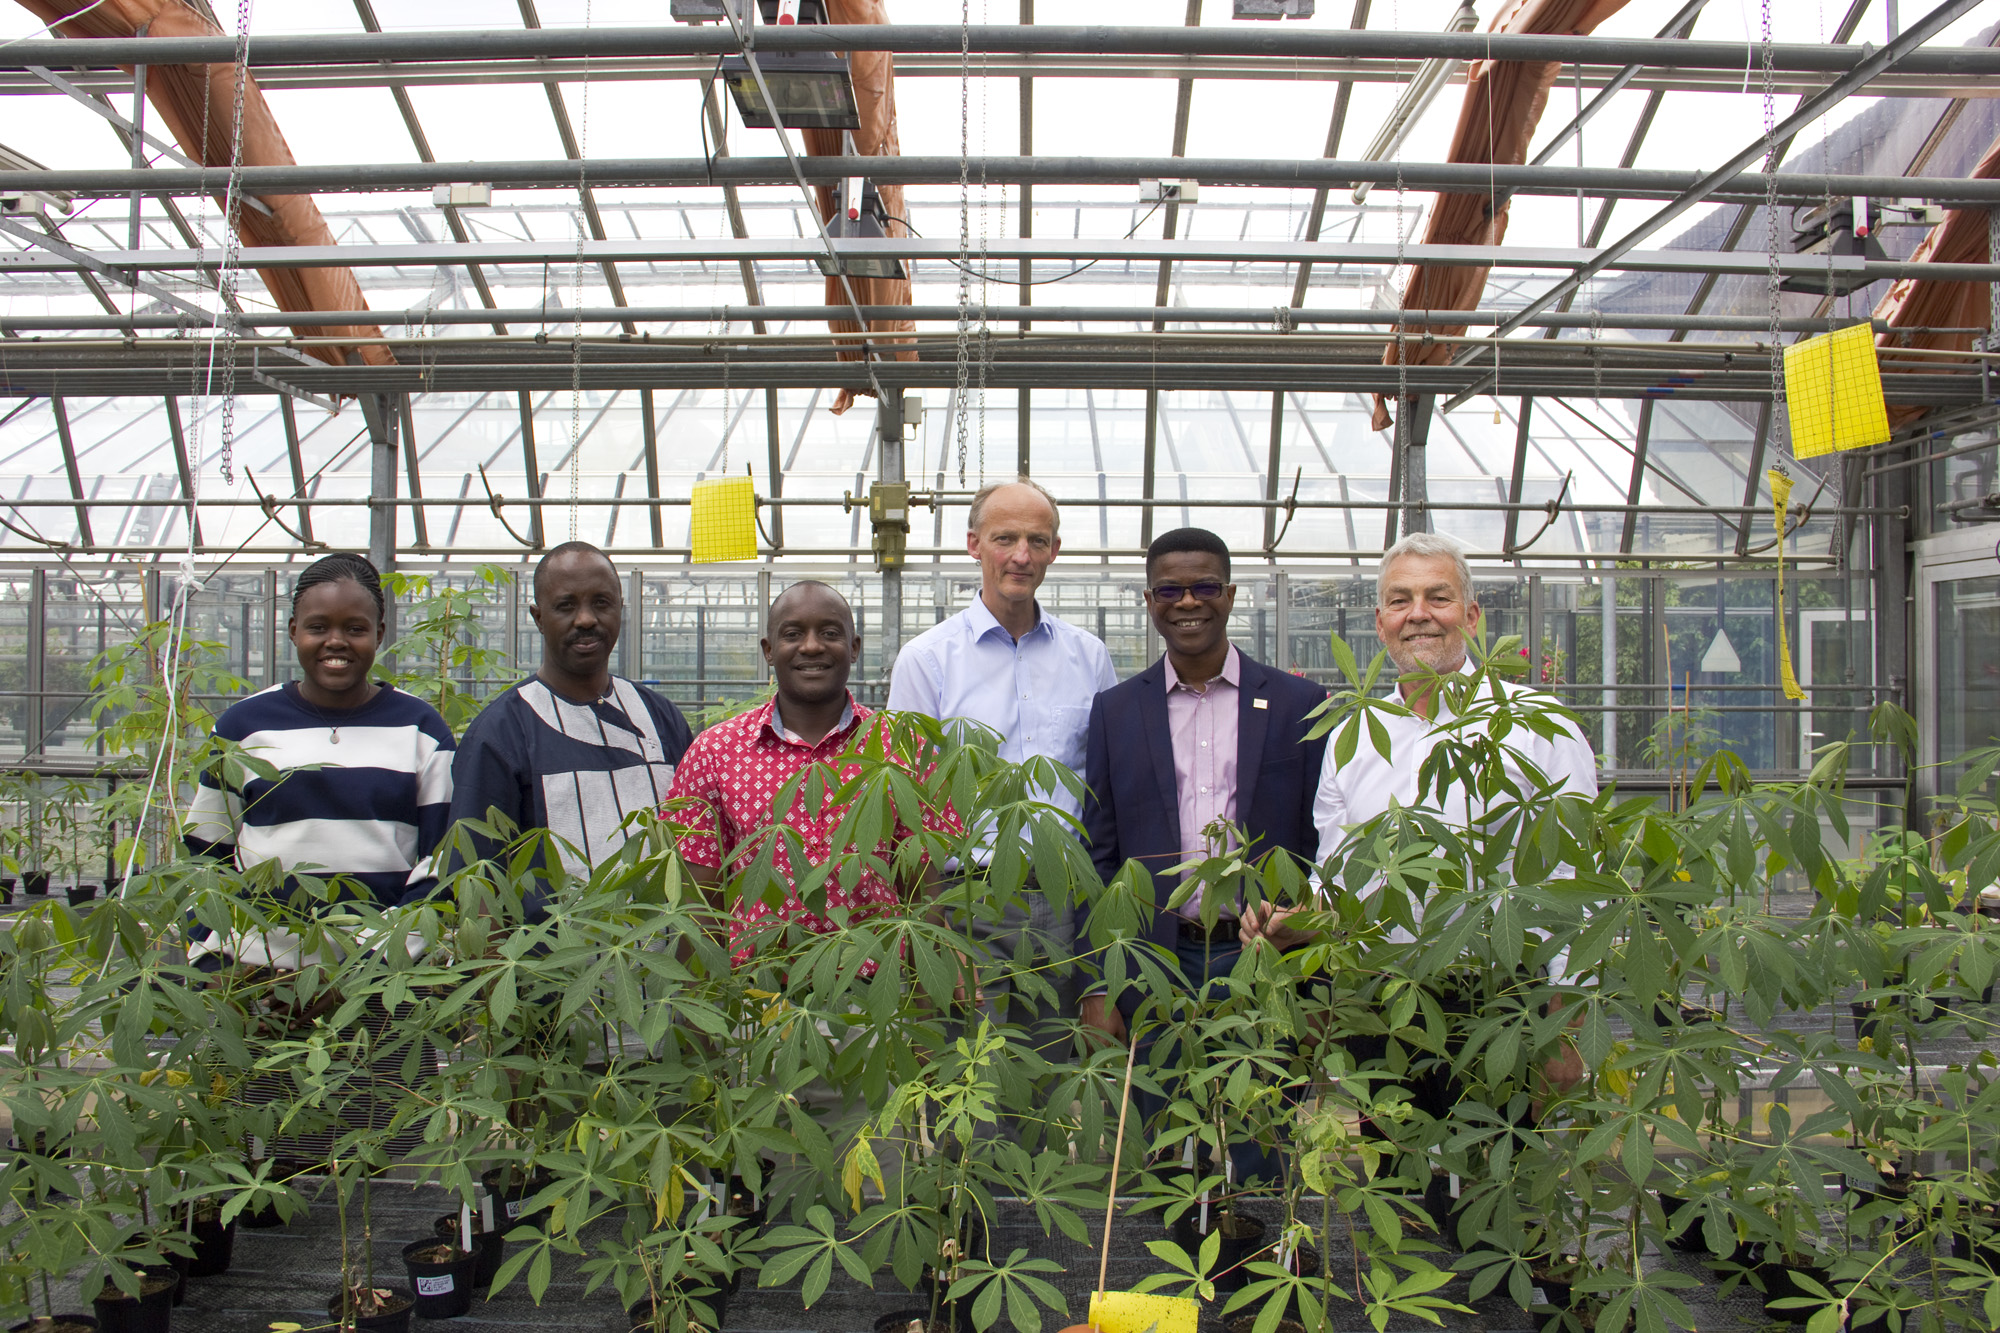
(809, 89)
(1274, 9)
(858, 215)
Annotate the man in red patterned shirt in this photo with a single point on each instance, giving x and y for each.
(726, 785)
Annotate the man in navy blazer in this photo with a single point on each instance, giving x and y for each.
(1205, 737)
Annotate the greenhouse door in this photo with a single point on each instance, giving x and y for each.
(1837, 666)
(1957, 652)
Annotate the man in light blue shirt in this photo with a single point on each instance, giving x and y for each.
(1007, 663)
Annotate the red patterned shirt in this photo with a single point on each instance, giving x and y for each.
(736, 769)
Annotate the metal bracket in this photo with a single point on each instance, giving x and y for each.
(493, 502)
(1291, 508)
(1553, 510)
(270, 506)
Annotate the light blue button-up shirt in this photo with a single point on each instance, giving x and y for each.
(1035, 691)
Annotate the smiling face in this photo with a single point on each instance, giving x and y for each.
(579, 608)
(1191, 628)
(1425, 615)
(336, 630)
(1014, 544)
(811, 645)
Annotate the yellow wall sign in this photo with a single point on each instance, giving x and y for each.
(722, 520)
(1833, 390)
(1142, 1312)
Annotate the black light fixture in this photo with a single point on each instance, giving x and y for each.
(858, 215)
(809, 89)
(1274, 9)
(697, 11)
(1840, 229)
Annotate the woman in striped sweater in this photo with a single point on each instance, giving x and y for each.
(362, 788)
(360, 798)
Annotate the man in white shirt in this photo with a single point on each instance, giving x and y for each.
(1425, 614)
(1007, 663)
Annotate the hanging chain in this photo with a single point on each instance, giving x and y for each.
(232, 247)
(1993, 294)
(1402, 310)
(728, 420)
(576, 299)
(1771, 215)
(985, 296)
(964, 226)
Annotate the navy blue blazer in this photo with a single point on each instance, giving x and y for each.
(1132, 810)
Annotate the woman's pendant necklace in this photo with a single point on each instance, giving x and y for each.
(333, 736)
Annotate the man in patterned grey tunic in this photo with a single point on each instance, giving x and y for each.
(573, 748)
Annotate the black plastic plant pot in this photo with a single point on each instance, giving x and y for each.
(912, 1320)
(214, 1246)
(490, 1246)
(1685, 1236)
(1306, 1264)
(1242, 1236)
(1550, 1300)
(57, 1323)
(714, 1296)
(178, 1265)
(1979, 1242)
(441, 1276)
(151, 1312)
(393, 1319)
(35, 883)
(1780, 1282)
(1867, 1023)
(6, 888)
(79, 894)
(510, 1200)
(740, 1202)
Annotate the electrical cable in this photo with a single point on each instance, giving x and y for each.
(984, 276)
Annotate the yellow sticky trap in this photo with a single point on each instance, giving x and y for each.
(722, 520)
(1781, 498)
(1142, 1312)
(1833, 390)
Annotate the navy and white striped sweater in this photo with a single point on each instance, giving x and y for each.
(373, 807)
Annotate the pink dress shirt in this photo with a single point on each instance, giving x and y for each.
(1202, 725)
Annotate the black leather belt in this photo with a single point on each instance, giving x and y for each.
(1225, 931)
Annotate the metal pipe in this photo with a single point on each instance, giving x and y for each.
(1134, 553)
(1136, 315)
(1279, 173)
(920, 497)
(1260, 41)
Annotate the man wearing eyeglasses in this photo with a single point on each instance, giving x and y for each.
(1202, 743)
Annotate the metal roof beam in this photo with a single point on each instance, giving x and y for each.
(1132, 315)
(1277, 45)
(1739, 186)
(121, 264)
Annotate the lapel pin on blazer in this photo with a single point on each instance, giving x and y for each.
(1260, 703)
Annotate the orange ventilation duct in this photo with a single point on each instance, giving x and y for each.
(1926, 302)
(180, 93)
(874, 74)
(1503, 105)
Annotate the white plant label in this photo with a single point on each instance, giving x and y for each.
(435, 1286)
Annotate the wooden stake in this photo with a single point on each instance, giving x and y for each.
(1117, 1151)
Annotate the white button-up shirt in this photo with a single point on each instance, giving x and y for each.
(1035, 691)
(1355, 792)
